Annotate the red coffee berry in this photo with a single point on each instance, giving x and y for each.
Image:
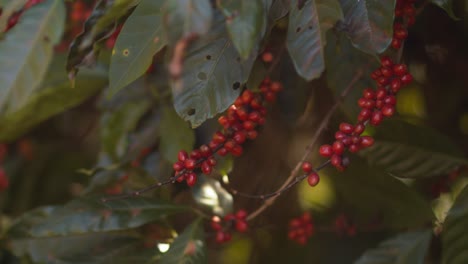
(241, 226)
(368, 93)
(190, 164)
(218, 137)
(359, 128)
(270, 96)
(182, 155)
(237, 151)
(306, 167)
(205, 151)
(254, 116)
(313, 179)
(386, 61)
(377, 118)
(388, 110)
(400, 33)
(353, 148)
(367, 141)
(195, 154)
(212, 161)
(248, 125)
(230, 144)
(239, 137)
(252, 134)
(335, 160)
(395, 85)
(346, 128)
(267, 57)
(396, 43)
(223, 121)
(220, 237)
(382, 80)
(338, 147)
(222, 152)
(241, 214)
(400, 69)
(191, 179)
(247, 96)
(276, 87)
(386, 72)
(206, 168)
(326, 151)
(178, 166)
(407, 78)
(339, 135)
(390, 100)
(380, 93)
(364, 115)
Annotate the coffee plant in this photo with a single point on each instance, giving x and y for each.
(234, 131)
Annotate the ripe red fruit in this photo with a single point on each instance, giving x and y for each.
(377, 118)
(390, 100)
(267, 57)
(364, 115)
(248, 125)
(359, 128)
(340, 135)
(396, 43)
(386, 61)
(313, 179)
(239, 137)
(326, 150)
(388, 110)
(367, 141)
(229, 145)
(206, 168)
(237, 151)
(222, 152)
(191, 179)
(241, 226)
(252, 134)
(220, 237)
(346, 128)
(353, 148)
(276, 87)
(247, 96)
(382, 80)
(400, 69)
(270, 96)
(205, 151)
(219, 138)
(178, 166)
(338, 147)
(395, 85)
(223, 121)
(368, 93)
(182, 155)
(335, 160)
(386, 72)
(215, 225)
(407, 78)
(254, 116)
(380, 93)
(306, 167)
(190, 164)
(195, 154)
(212, 161)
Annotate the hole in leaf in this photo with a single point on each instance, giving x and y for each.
(238, 59)
(208, 57)
(310, 27)
(236, 85)
(298, 29)
(191, 112)
(201, 76)
(46, 39)
(125, 52)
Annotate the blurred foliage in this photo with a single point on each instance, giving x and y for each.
(69, 138)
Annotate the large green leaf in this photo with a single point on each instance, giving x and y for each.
(455, 231)
(88, 248)
(26, 51)
(183, 18)
(54, 96)
(372, 192)
(411, 151)
(307, 30)
(100, 24)
(212, 76)
(188, 247)
(175, 133)
(121, 117)
(140, 38)
(90, 214)
(245, 21)
(406, 248)
(369, 23)
(344, 62)
(447, 5)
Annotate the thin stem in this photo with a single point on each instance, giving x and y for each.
(269, 201)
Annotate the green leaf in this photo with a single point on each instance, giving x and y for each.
(245, 20)
(209, 193)
(411, 151)
(369, 23)
(455, 231)
(212, 76)
(175, 133)
(8, 7)
(447, 5)
(26, 51)
(54, 96)
(307, 30)
(397, 204)
(122, 116)
(90, 214)
(140, 38)
(88, 248)
(278, 10)
(188, 247)
(183, 18)
(100, 24)
(344, 62)
(406, 248)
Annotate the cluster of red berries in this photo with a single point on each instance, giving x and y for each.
(312, 176)
(222, 226)
(239, 124)
(375, 106)
(79, 12)
(301, 228)
(404, 11)
(4, 182)
(344, 226)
